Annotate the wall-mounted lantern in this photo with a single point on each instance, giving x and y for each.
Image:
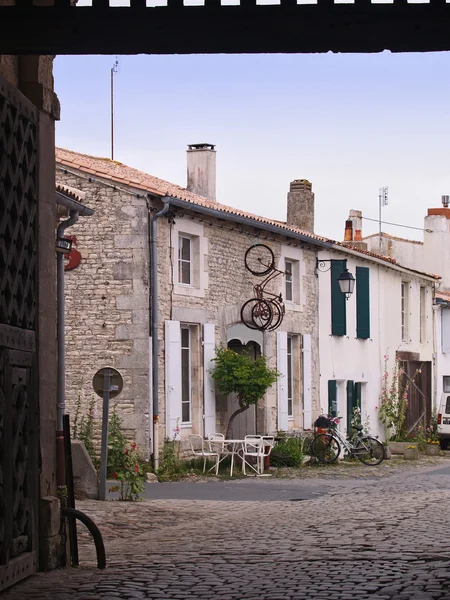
(346, 280)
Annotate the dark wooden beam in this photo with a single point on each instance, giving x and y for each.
(250, 28)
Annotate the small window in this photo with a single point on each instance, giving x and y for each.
(447, 406)
(290, 378)
(185, 375)
(446, 383)
(405, 310)
(184, 260)
(288, 271)
(423, 317)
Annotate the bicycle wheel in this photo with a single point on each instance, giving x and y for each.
(259, 259)
(278, 314)
(325, 448)
(369, 451)
(256, 313)
(262, 315)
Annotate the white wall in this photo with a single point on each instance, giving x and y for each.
(345, 358)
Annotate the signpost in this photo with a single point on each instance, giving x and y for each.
(107, 383)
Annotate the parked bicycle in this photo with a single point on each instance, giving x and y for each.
(266, 310)
(326, 447)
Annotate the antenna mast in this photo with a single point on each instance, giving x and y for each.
(382, 201)
(113, 70)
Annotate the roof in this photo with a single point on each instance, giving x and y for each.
(121, 174)
(118, 173)
(392, 237)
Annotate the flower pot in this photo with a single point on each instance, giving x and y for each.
(387, 452)
(411, 454)
(432, 449)
(398, 447)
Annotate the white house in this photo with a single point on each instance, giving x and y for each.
(388, 315)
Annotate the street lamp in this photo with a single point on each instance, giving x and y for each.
(346, 280)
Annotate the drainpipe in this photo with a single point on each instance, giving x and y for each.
(61, 388)
(155, 341)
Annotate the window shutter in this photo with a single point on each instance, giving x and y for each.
(362, 303)
(307, 416)
(282, 381)
(209, 385)
(173, 376)
(445, 326)
(351, 403)
(338, 313)
(332, 398)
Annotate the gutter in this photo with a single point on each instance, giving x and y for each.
(219, 214)
(154, 326)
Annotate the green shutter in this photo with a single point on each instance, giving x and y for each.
(362, 303)
(358, 387)
(351, 404)
(332, 398)
(338, 313)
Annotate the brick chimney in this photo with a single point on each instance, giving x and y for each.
(201, 170)
(300, 205)
(353, 231)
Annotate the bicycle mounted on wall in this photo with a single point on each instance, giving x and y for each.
(265, 311)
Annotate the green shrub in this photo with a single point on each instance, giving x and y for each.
(289, 452)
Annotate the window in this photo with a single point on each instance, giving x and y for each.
(362, 303)
(423, 298)
(405, 310)
(446, 383)
(185, 375)
(290, 378)
(288, 274)
(184, 260)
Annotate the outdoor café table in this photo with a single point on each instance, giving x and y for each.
(233, 448)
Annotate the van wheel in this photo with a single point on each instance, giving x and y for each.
(444, 444)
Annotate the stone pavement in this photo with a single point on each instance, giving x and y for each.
(378, 535)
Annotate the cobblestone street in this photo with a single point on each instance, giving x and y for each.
(365, 533)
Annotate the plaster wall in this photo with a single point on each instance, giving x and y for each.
(346, 357)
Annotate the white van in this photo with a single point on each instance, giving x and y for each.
(443, 418)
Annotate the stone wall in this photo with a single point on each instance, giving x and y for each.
(107, 300)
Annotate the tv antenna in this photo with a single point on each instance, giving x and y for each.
(114, 69)
(382, 201)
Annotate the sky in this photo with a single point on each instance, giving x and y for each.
(349, 123)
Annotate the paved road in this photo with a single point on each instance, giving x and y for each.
(356, 534)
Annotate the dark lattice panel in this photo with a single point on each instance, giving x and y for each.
(18, 214)
(2, 468)
(20, 471)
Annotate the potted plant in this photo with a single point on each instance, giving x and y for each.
(411, 452)
(432, 447)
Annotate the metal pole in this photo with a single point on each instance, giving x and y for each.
(112, 113)
(379, 219)
(73, 540)
(104, 448)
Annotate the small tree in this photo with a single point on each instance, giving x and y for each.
(242, 375)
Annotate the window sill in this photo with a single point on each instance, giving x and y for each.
(188, 290)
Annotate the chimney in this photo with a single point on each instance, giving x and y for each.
(353, 231)
(201, 170)
(300, 205)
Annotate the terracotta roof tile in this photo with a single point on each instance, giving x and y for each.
(124, 175)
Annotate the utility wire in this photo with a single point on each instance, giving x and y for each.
(397, 225)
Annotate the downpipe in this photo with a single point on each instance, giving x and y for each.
(155, 323)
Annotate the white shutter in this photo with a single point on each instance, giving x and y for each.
(445, 327)
(307, 412)
(173, 377)
(209, 385)
(282, 386)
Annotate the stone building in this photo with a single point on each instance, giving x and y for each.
(162, 274)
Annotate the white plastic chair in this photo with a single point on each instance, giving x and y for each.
(253, 448)
(199, 448)
(216, 443)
